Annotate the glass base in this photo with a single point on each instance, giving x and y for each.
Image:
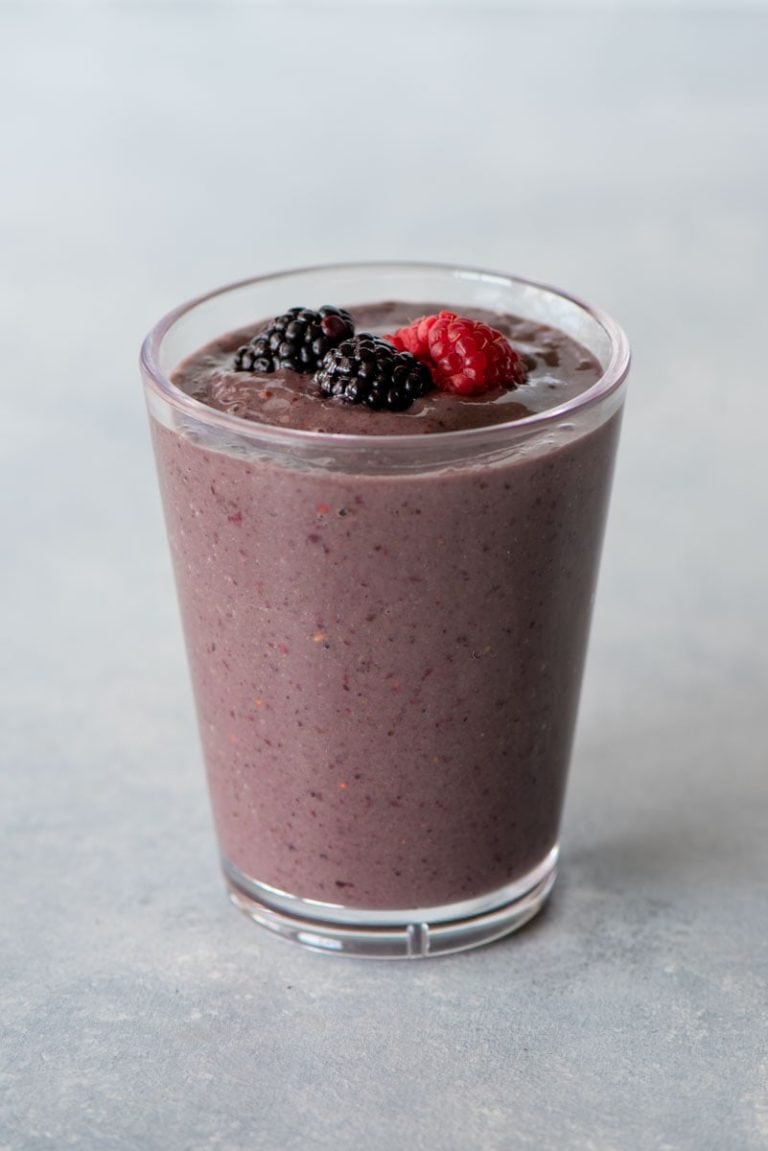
(412, 934)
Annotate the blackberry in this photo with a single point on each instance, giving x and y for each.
(367, 370)
(298, 340)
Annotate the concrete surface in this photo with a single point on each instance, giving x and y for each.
(153, 151)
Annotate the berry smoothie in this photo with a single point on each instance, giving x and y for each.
(387, 658)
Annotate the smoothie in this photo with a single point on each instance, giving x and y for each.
(387, 661)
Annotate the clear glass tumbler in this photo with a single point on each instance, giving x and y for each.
(386, 634)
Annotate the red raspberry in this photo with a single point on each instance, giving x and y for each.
(415, 338)
(464, 356)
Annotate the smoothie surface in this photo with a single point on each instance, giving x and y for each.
(559, 369)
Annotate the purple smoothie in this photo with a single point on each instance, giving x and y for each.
(387, 667)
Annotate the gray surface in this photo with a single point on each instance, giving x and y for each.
(621, 155)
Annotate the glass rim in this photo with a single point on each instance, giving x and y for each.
(611, 379)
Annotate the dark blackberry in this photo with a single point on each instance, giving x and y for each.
(367, 370)
(297, 340)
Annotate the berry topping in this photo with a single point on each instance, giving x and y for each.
(367, 370)
(463, 356)
(297, 340)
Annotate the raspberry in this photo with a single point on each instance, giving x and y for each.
(297, 340)
(368, 370)
(463, 356)
(415, 338)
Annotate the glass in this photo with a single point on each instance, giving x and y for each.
(386, 634)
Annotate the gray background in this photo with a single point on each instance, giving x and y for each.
(152, 151)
